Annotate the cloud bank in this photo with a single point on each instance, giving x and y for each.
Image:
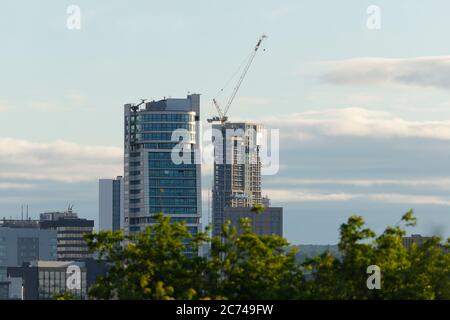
(357, 122)
(300, 196)
(57, 161)
(432, 71)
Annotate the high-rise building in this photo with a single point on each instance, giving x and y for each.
(111, 204)
(153, 182)
(237, 169)
(70, 233)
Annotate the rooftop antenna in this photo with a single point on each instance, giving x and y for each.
(27, 212)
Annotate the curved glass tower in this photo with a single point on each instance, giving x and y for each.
(154, 183)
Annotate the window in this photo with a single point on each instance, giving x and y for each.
(170, 127)
(172, 173)
(172, 210)
(172, 183)
(172, 192)
(135, 229)
(173, 117)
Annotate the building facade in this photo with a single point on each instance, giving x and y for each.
(153, 182)
(111, 204)
(23, 241)
(70, 234)
(269, 222)
(416, 239)
(43, 280)
(237, 169)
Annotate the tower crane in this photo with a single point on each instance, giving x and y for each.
(222, 113)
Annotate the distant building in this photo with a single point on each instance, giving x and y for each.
(269, 222)
(414, 239)
(237, 170)
(43, 280)
(308, 251)
(265, 201)
(23, 241)
(70, 233)
(57, 215)
(418, 240)
(111, 204)
(153, 182)
(4, 287)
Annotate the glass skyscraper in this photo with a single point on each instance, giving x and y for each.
(154, 183)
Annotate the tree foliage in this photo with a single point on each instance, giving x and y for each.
(160, 263)
(420, 272)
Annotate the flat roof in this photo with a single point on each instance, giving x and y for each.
(55, 264)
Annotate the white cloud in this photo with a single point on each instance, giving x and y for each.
(410, 199)
(441, 183)
(58, 161)
(355, 122)
(291, 195)
(298, 196)
(433, 71)
(15, 186)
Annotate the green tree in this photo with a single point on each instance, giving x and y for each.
(156, 264)
(421, 272)
(150, 265)
(248, 266)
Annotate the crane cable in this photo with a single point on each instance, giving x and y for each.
(233, 76)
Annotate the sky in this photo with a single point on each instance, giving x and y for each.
(364, 114)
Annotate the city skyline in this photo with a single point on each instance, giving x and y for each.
(373, 143)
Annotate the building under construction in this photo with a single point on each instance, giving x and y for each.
(237, 166)
(237, 170)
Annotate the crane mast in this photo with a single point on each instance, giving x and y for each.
(223, 113)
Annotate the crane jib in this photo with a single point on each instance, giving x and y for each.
(222, 113)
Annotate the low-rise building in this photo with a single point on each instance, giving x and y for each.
(23, 241)
(44, 280)
(268, 222)
(416, 239)
(70, 234)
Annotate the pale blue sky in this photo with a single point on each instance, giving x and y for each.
(60, 84)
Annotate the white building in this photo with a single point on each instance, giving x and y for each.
(111, 204)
